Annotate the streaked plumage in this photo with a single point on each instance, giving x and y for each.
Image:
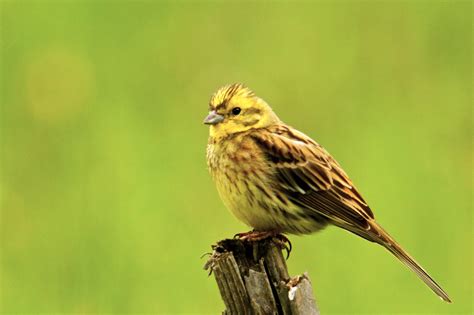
(275, 178)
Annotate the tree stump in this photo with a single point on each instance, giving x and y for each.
(253, 279)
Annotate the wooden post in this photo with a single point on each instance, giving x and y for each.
(253, 279)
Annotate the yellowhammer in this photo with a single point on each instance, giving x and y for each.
(278, 180)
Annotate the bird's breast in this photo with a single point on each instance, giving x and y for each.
(245, 184)
(240, 174)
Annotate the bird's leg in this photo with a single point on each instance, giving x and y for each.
(279, 239)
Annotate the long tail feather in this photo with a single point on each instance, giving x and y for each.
(391, 245)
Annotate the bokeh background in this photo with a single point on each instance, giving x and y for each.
(106, 203)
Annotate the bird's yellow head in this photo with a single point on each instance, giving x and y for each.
(235, 108)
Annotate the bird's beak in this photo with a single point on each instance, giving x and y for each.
(213, 118)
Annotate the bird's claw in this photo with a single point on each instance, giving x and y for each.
(279, 239)
(284, 243)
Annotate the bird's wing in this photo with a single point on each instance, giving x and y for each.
(311, 178)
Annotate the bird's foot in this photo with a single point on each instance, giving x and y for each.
(255, 236)
(279, 239)
(284, 243)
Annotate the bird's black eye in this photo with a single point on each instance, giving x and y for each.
(236, 110)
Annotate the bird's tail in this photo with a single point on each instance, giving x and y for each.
(389, 243)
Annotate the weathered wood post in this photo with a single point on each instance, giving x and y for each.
(253, 279)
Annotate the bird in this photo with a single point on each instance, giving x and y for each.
(277, 180)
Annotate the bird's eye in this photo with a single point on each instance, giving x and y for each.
(236, 110)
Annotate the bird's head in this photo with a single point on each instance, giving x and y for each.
(235, 108)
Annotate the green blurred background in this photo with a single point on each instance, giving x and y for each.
(106, 203)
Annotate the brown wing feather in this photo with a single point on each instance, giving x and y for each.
(311, 178)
